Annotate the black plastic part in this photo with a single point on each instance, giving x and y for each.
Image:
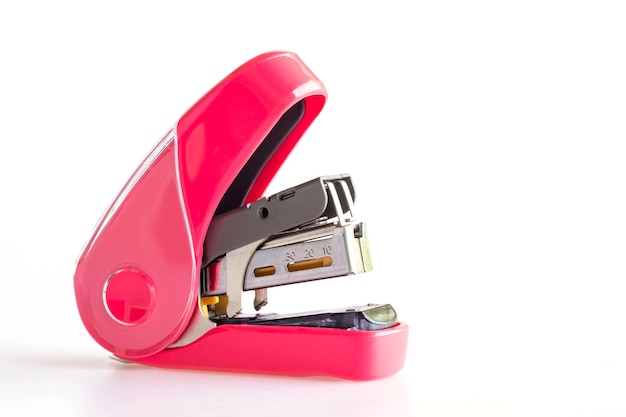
(262, 218)
(369, 317)
(239, 189)
(286, 210)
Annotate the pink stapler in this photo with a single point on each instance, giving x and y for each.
(160, 282)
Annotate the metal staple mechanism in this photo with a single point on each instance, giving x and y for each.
(304, 233)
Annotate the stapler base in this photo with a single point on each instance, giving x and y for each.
(291, 351)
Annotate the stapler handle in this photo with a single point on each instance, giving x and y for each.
(137, 279)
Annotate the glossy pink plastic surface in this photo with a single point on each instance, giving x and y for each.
(156, 227)
(137, 280)
(294, 351)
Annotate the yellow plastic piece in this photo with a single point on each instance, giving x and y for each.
(220, 307)
(205, 302)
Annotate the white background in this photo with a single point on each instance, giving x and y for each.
(486, 142)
